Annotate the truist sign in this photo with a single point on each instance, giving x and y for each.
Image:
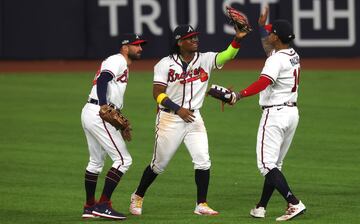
(90, 29)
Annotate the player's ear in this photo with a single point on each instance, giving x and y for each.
(276, 37)
(179, 43)
(124, 49)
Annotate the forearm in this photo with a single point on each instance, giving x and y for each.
(264, 40)
(101, 86)
(229, 53)
(163, 99)
(256, 87)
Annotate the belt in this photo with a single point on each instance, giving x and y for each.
(93, 101)
(170, 111)
(288, 104)
(96, 102)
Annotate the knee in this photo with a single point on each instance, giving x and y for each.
(123, 165)
(95, 167)
(263, 171)
(201, 161)
(266, 170)
(157, 169)
(203, 164)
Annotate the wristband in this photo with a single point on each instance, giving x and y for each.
(160, 97)
(171, 105)
(235, 43)
(263, 32)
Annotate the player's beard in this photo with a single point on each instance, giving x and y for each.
(134, 55)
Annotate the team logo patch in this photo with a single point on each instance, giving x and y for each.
(124, 77)
(190, 76)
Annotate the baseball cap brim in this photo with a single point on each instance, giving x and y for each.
(189, 35)
(136, 42)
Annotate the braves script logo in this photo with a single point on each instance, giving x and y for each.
(124, 77)
(190, 76)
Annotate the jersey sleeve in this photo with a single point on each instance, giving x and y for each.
(161, 70)
(115, 65)
(272, 68)
(210, 60)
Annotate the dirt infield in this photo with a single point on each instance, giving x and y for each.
(147, 65)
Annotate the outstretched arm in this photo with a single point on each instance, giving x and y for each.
(230, 97)
(263, 33)
(255, 87)
(232, 50)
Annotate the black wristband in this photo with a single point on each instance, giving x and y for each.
(263, 32)
(170, 104)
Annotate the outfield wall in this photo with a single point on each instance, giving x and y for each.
(89, 29)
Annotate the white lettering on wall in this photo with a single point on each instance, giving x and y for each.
(113, 15)
(332, 14)
(173, 12)
(210, 16)
(140, 19)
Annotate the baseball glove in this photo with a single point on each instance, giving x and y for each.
(224, 94)
(126, 134)
(115, 118)
(239, 20)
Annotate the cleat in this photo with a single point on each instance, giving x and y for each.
(258, 212)
(136, 203)
(292, 211)
(105, 210)
(204, 209)
(87, 213)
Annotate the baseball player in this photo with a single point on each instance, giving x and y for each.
(278, 86)
(104, 139)
(179, 87)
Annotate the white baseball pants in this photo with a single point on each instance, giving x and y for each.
(276, 131)
(170, 132)
(102, 139)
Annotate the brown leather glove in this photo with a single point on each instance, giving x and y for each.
(126, 134)
(114, 117)
(239, 20)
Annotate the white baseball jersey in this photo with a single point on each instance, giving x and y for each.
(116, 65)
(101, 136)
(278, 123)
(185, 88)
(283, 68)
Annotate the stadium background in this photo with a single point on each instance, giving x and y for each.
(50, 51)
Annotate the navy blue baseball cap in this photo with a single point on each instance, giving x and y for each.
(131, 38)
(184, 31)
(283, 29)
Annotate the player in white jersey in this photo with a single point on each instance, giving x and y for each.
(103, 139)
(278, 86)
(180, 83)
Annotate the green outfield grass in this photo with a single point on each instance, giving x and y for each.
(43, 152)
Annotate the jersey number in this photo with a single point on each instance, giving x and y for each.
(297, 79)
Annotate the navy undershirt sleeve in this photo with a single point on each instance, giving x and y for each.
(101, 86)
